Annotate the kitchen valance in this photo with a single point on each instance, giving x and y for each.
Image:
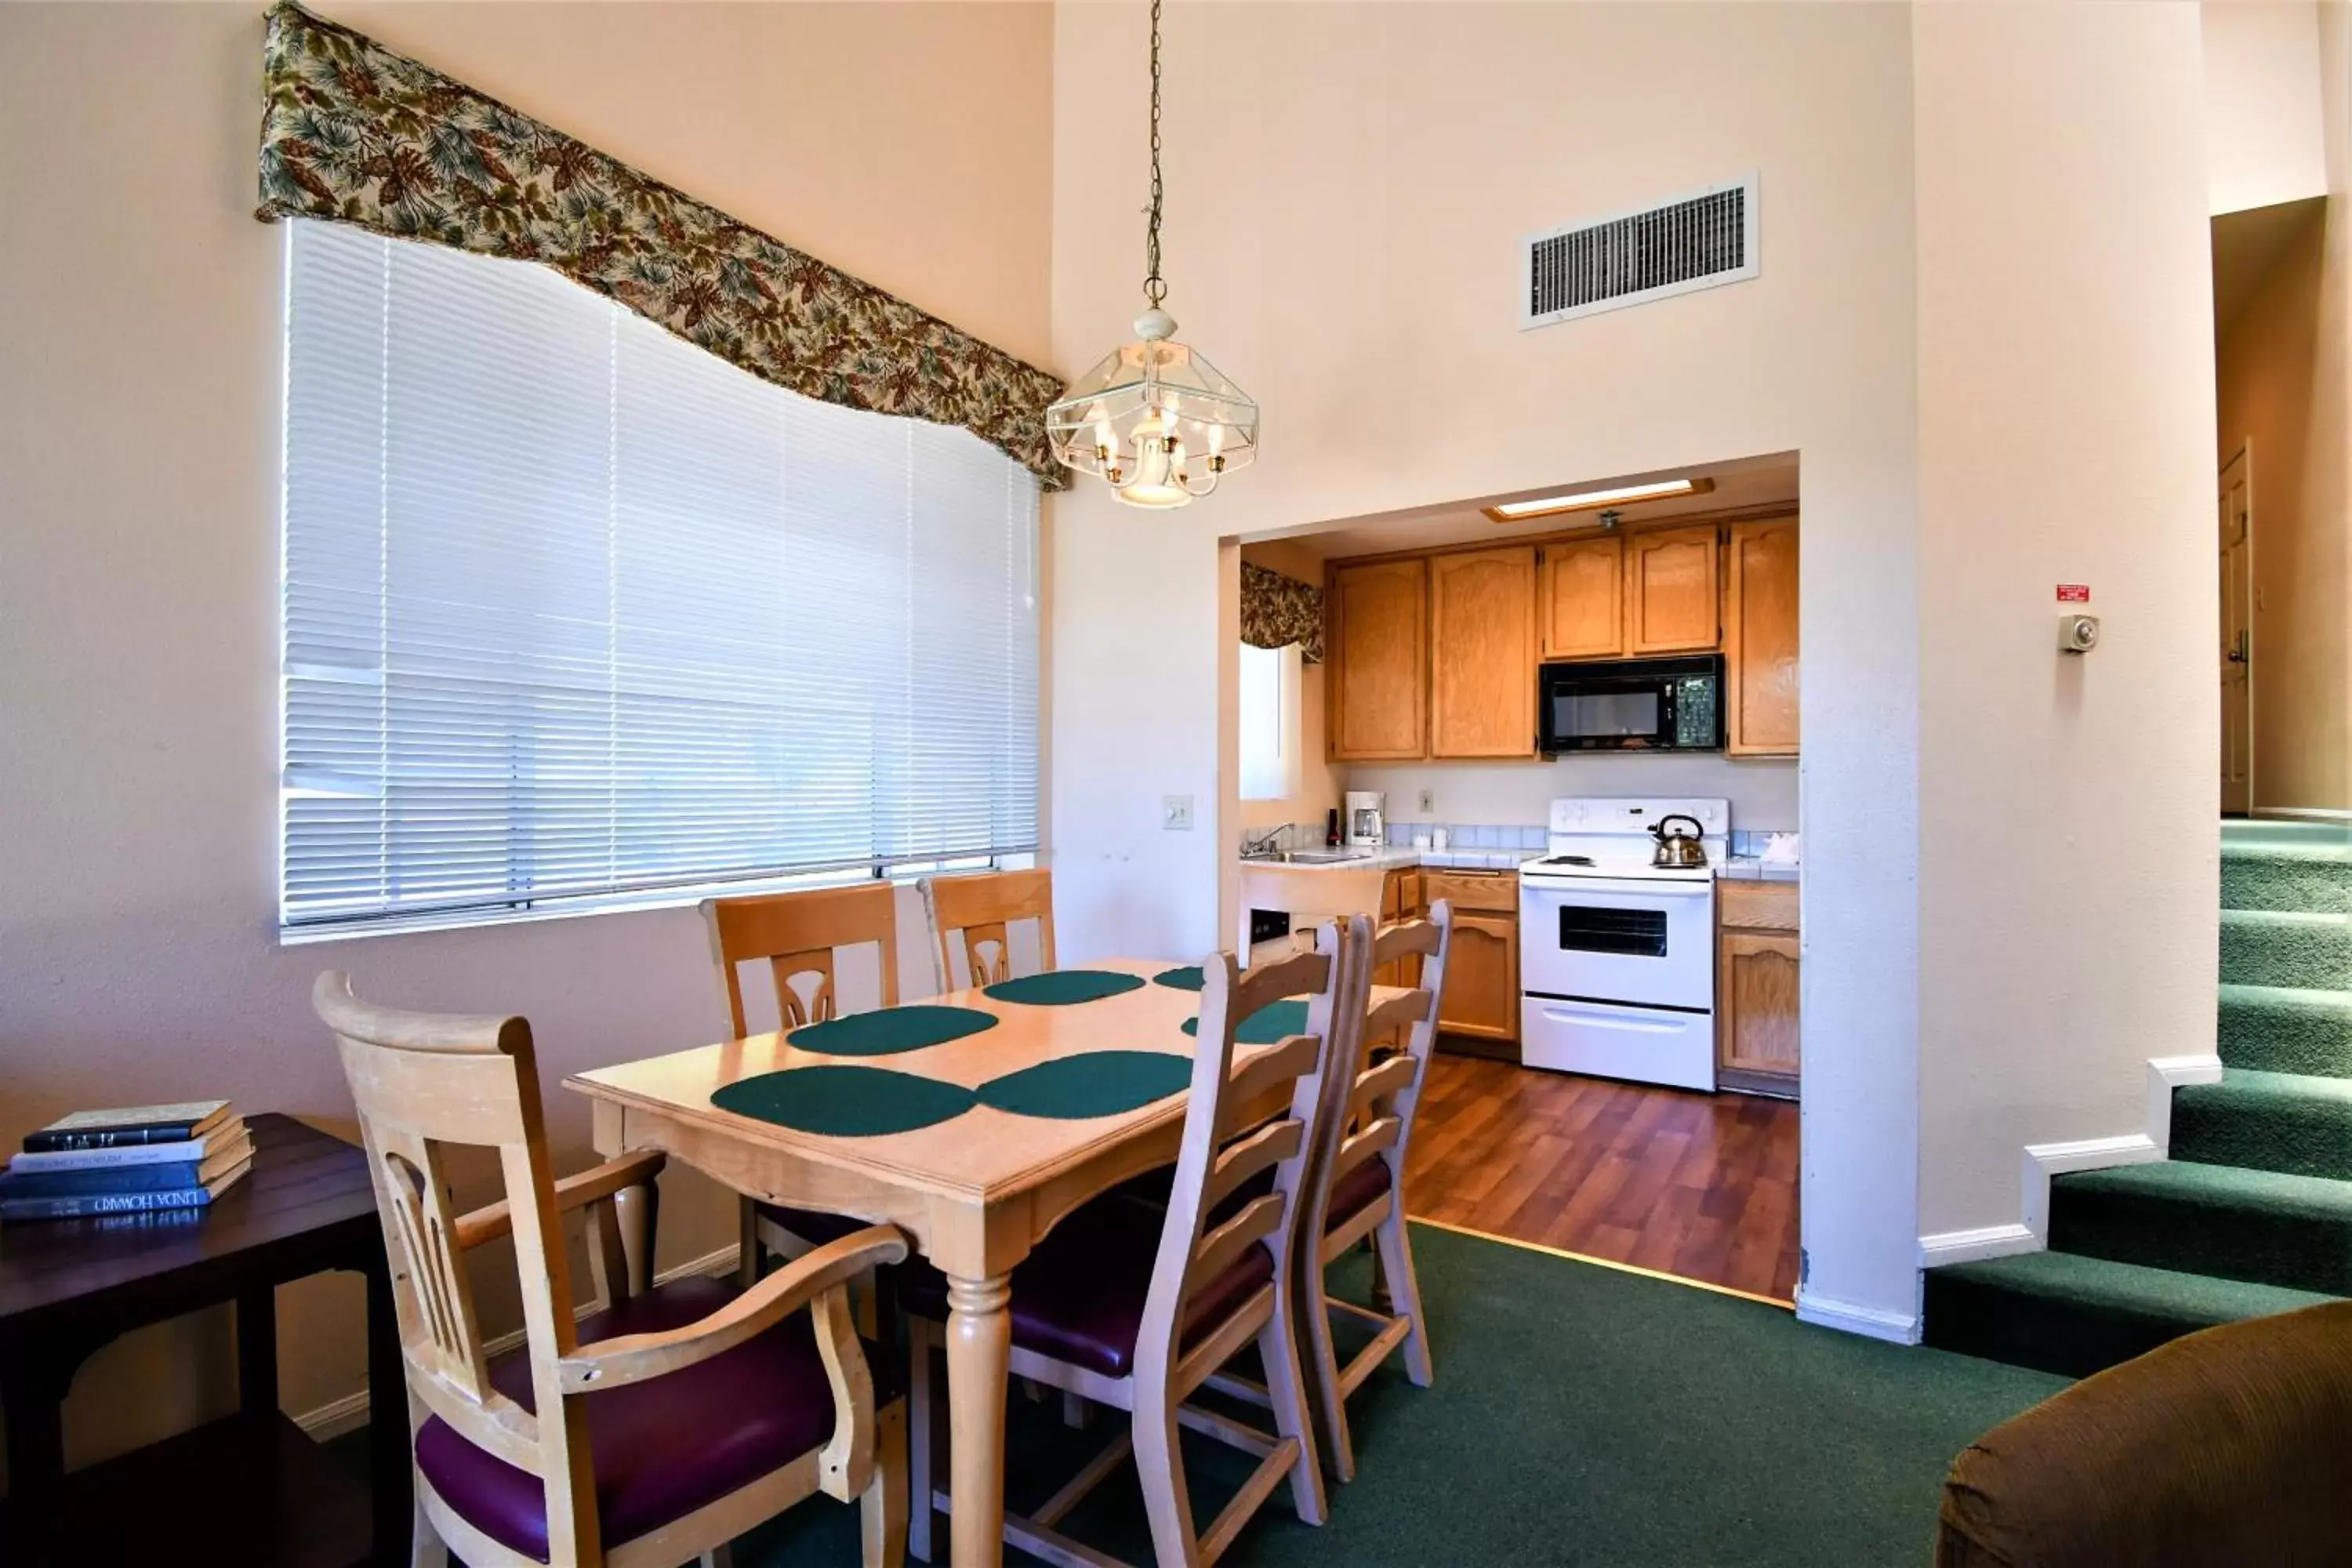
(1277, 611)
(352, 133)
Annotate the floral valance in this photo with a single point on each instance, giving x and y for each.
(1277, 611)
(356, 134)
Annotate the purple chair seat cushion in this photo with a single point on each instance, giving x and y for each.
(1356, 1191)
(665, 1447)
(1079, 1297)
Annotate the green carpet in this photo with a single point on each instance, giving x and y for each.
(1580, 1415)
(2252, 1213)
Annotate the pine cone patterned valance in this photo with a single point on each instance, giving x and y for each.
(1277, 611)
(355, 133)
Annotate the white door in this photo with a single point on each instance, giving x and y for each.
(2237, 636)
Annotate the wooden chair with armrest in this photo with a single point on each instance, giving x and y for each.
(1358, 1190)
(653, 1431)
(800, 937)
(1137, 1315)
(974, 912)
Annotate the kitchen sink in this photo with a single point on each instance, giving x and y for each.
(1307, 856)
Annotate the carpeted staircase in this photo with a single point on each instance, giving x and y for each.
(2252, 1213)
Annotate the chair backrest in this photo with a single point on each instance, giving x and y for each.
(972, 912)
(802, 934)
(1369, 1109)
(422, 1083)
(1228, 1139)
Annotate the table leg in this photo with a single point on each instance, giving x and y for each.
(980, 1350)
(387, 1420)
(256, 1349)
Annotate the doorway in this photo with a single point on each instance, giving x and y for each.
(2237, 647)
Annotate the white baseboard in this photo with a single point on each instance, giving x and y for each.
(2302, 813)
(2165, 1074)
(349, 1413)
(1972, 1246)
(2043, 1161)
(1872, 1323)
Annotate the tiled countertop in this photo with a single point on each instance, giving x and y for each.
(1749, 868)
(1394, 858)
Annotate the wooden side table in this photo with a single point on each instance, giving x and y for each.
(251, 1485)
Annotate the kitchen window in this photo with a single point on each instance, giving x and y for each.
(578, 614)
(1269, 719)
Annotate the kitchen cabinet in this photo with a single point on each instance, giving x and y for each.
(1482, 980)
(1481, 653)
(1377, 685)
(1671, 593)
(1760, 639)
(1400, 901)
(1579, 602)
(1757, 1014)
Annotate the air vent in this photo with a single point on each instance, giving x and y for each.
(1695, 241)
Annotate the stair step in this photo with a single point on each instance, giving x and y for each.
(2262, 1226)
(2305, 874)
(2283, 1029)
(2267, 947)
(2063, 1313)
(2266, 1121)
(2242, 832)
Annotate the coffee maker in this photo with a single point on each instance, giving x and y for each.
(1365, 820)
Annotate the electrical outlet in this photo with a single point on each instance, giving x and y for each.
(1427, 798)
(1176, 813)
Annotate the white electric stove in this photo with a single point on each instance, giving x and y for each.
(1616, 955)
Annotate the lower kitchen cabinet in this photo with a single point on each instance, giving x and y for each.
(1756, 1017)
(1481, 1005)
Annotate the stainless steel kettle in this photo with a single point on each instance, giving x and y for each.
(1679, 850)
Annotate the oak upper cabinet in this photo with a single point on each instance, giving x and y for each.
(1756, 1017)
(1760, 639)
(1581, 601)
(1671, 593)
(1481, 653)
(1377, 628)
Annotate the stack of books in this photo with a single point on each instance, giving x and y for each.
(144, 1159)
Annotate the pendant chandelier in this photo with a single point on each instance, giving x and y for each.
(1154, 420)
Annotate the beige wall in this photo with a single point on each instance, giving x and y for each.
(1346, 184)
(2067, 859)
(1763, 793)
(2281, 396)
(2263, 100)
(138, 399)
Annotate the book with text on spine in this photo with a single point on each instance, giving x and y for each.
(84, 1205)
(229, 1135)
(129, 1126)
(147, 1177)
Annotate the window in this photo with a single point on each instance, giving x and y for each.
(1269, 722)
(577, 614)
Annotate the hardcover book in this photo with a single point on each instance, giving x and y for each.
(229, 1135)
(148, 1177)
(91, 1204)
(130, 1127)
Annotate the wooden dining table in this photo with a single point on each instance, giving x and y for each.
(975, 1192)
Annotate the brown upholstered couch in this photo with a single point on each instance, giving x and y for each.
(2230, 1449)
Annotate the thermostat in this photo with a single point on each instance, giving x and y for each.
(2078, 634)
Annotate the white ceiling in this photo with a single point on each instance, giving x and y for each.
(1750, 482)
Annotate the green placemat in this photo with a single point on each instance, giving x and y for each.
(891, 1030)
(1188, 978)
(1095, 1083)
(1060, 987)
(846, 1102)
(1274, 1021)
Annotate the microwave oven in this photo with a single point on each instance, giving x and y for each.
(1632, 705)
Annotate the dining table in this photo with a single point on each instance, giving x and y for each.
(973, 1121)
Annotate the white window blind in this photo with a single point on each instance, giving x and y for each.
(576, 610)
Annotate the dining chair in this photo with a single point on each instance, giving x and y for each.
(655, 1430)
(1358, 1185)
(978, 908)
(1136, 1315)
(800, 937)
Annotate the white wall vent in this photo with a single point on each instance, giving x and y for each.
(1696, 241)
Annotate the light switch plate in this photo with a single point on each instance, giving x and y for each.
(1176, 813)
(1427, 796)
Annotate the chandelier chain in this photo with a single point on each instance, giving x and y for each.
(1155, 288)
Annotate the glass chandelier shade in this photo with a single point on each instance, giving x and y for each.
(1154, 420)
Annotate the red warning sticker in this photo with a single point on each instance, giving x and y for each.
(2073, 593)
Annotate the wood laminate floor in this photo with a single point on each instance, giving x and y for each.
(1700, 1185)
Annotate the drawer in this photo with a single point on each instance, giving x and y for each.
(1494, 892)
(1756, 905)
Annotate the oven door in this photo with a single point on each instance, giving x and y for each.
(1606, 940)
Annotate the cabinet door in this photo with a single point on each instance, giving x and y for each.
(1377, 683)
(1583, 600)
(1671, 594)
(1482, 978)
(1481, 653)
(1760, 639)
(1756, 1004)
